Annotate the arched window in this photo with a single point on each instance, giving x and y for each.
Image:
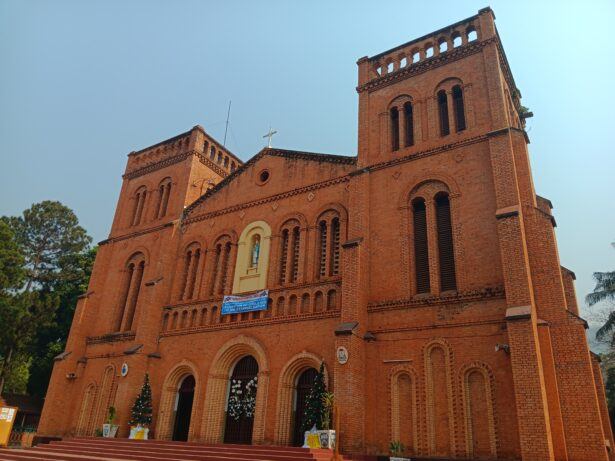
(212, 153)
(394, 115)
(445, 243)
(214, 315)
(409, 124)
(219, 161)
(290, 249)
(283, 255)
(305, 303)
(329, 234)
(421, 253)
(174, 322)
(331, 300)
(192, 260)
(322, 240)
(222, 255)
(162, 202)
(225, 162)
(129, 295)
(224, 268)
(233, 166)
(458, 107)
(165, 322)
(139, 204)
(443, 113)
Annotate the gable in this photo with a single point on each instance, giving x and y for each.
(272, 172)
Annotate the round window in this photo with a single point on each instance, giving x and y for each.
(263, 176)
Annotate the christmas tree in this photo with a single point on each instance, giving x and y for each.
(141, 414)
(314, 405)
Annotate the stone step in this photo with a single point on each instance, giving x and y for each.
(100, 449)
(193, 449)
(157, 454)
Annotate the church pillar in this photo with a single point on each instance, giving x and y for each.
(402, 126)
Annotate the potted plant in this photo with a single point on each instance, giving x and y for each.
(317, 416)
(141, 415)
(397, 450)
(109, 429)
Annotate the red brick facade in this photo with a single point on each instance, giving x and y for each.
(428, 256)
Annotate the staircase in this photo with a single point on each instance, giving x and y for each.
(101, 449)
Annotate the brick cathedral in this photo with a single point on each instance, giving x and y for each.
(428, 259)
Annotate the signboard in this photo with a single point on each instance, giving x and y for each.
(247, 303)
(7, 418)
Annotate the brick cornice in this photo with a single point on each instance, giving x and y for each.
(173, 160)
(428, 64)
(130, 235)
(468, 296)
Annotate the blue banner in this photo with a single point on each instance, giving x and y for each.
(247, 303)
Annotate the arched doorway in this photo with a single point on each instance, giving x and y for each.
(241, 401)
(185, 398)
(302, 390)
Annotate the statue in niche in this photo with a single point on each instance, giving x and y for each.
(256, 249)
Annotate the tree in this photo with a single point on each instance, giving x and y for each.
(51, 340)
(48, 233)
(141, 414)
(604, 291)
(314, 405)
(50, 240)
(11, 279)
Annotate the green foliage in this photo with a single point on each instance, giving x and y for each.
(314, 406)
(397, 448)
(604, 291)
(328, 399)
(45, 263)
(48, 234)
(141, 414)
(111, 415)
(11, 261)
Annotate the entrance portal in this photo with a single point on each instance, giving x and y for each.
(185, 397)
(304, 386)
(241, 401)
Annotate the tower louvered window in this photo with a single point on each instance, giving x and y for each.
(334, 267)
(421, 252)
(294, 272)
(443, 113)
(394, 115)
(185, 275)
(445, 243)
(458, 107)
(283, 255)
(322, 233)
(164, 192)
(409, 124)
(137, 214)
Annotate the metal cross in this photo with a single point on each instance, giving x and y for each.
(270, 135)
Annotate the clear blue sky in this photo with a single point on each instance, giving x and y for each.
(82, 83)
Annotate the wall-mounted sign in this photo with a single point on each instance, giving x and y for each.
(245, 303)
(124, 370)
(342, 355)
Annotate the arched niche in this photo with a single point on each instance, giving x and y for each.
(252, 262)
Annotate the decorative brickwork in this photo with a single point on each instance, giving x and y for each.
(427, 259)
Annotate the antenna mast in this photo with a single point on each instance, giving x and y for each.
(228, 115)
